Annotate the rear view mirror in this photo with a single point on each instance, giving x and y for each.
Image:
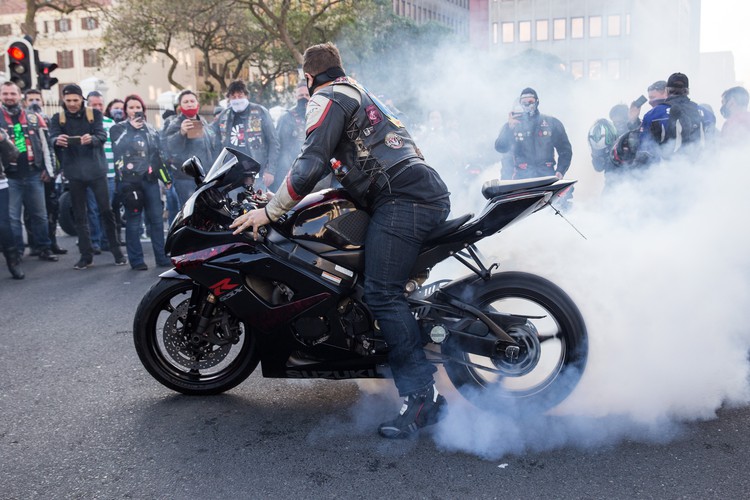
(194, 168)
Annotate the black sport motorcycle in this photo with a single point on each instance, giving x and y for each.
(292, 300)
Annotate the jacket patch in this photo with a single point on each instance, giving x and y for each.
(373, 114)
(393, 140)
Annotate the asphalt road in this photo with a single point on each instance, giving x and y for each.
(81, 418)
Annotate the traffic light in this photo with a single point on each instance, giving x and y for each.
(21, 64)
(43, 78)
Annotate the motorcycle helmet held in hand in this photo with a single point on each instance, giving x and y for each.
(625, 148)
(602, 135)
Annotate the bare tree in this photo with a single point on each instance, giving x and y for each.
(62, 6)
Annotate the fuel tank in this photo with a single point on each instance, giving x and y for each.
(328, 218)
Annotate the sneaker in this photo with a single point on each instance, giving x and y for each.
(83, 263)
(14, 266)
(141, 267)
(47, 255)
(96, 249)
(419, 410)
(121, 260)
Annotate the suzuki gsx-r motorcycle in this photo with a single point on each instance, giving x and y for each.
(292, 300)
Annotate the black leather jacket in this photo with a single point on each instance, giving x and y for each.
(346, 123)
(137, 153)
(533, 143)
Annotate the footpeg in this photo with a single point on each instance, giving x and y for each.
(512, 352)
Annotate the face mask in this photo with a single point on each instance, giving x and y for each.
(190, 113)
(117, 114)
(724, 111)
(35, 107)
(239, 105)
(301, 103)
(529, 108)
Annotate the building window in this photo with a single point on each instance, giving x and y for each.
(542, 30)
(524, 31)
(494, 33)
(576, 27)
(89, 23)
(627, 24)
(558, 29)
(62, 25)
(91, 58)
(576, 69)
(508, 35)
(613, 69)
(613, 25)
(6, 29)
(64, 59)
(595, 70)
(595, 26)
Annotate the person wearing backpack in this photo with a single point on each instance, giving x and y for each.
(78, 135)
(678, 126)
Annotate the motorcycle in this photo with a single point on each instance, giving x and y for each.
(292, 301)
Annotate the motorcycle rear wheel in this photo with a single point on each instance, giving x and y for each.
(169, 355)
(554, 339)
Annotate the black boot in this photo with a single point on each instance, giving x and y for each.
(14, 266)
(419, 410)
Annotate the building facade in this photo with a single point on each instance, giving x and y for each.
(74, 41)
(453, 14)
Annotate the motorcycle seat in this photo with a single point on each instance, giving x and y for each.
(448, 227)
(496, 187)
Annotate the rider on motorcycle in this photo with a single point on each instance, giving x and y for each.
(376, 161)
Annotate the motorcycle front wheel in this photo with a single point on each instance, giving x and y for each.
(553, 340)
(163, 332)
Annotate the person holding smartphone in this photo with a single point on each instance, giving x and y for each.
(78, 135)
(136, 147)
(185, 135)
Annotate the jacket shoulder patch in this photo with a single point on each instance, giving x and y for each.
(317, 109)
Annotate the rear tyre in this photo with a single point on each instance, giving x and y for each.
(65, 219)
(185, 362)
(553, 353)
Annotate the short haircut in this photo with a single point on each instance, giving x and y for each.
(183, 93)
(659, 86)
(237, 86)
(94, 93)
(319, 58)
(738, 94)
(10, 83)
(32, 91)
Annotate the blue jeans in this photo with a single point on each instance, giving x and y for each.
(95, 226)
(28, 192)
(394, 238)
(6, 233)
(153, 210)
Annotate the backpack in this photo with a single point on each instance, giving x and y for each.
(685, 124)
(89, 116)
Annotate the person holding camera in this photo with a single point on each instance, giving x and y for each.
(185, 135)
(532, 139)
(78, 135)
(136, 147)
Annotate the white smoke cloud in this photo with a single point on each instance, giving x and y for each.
(662, 279)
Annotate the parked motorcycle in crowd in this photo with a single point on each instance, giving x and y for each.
(292, 300)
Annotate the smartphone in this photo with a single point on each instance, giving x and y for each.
(196, 130)
(639, 102)
(74, 140)
(138, 115)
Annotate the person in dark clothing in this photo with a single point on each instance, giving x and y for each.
(186, 135)
(8, 154)
(532, 138)
(291, 132)
(34, 104)
(406, 199)
(248, 127)
(676, 126)
(79, 137)
(137, 150)
(27, 174)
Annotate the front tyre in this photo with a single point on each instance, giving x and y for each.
(181, 360)
(553, 344)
